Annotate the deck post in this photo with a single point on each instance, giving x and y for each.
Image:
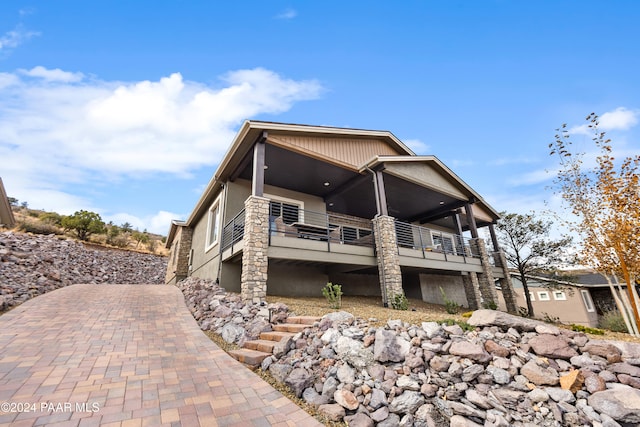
(255, 260)
(389, 272)
(472, 290)
(486, 280)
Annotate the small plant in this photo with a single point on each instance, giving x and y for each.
(37, 227)
(613, 321)
(452, 307)
(586, 329)
(523, 312)
(551, 319)
(467, 314)
(333, 294)
(399, 302)
(464, 325)
(490, 305)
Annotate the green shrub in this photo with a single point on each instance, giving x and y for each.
(586, 329)
(333, 294)
(490, 305)
(612, 320)
(399, 302)
(464, 325)
(467, 314)
(551, 319)
(37, 227)
(452, 307)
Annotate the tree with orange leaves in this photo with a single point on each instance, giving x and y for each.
(605, 202)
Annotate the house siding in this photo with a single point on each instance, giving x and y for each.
(351, 152)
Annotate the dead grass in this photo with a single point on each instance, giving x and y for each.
(419, 311)
(368, 308)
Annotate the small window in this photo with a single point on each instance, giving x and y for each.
(531, 297)
(543, 296)
(588, 303)
(559, 296)
(213, 226)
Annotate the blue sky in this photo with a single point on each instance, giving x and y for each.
(125, 108)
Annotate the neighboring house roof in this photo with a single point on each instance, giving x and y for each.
(579, 280)
(6, 214)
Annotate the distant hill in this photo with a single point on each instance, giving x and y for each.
(121, 236)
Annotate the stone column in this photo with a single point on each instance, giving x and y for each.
(255, 261)
(472, 290)
(506, 284)
(486, 282)
(387, 257)
(178, 267)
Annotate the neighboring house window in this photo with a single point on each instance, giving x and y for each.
(559, 296)
(543, 296)
(531, 296)
(588, 303)
(213, 227)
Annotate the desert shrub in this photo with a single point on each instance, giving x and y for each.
(490, 305)
(550, 319)
(333, 294)
(612, 320)
(152, 246)
(52, 218)
(523, 312)
(399, 302)
(586, 329)
(452, 307)
(37, 227)
(464, 325)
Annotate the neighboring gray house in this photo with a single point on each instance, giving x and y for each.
(581, 301)
(6, 214)
(292, 207)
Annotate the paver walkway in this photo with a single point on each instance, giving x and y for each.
(126, 355)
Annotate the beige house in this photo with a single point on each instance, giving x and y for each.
(6, 214)
(569, 302)
(292, 207)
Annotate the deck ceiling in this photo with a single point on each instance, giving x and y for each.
(350, 192)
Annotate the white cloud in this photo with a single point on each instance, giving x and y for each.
(287, 14)
(16, 37)
(55, 75)
(619, 119)
(61, 129)
(417, 146)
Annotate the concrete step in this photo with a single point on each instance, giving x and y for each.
(305, 320)
(275, 335)
(252, 358)
(290, 327)
(260, 345)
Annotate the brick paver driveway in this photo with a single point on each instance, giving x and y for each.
(125, 355)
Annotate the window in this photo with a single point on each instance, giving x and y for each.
(543, 296)
(588, 303)
(350, 234)
(531, 297)
(213, 226)
(559, 296)
(445, 241)
(290, 210)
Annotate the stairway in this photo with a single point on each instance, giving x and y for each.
(254, 352)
